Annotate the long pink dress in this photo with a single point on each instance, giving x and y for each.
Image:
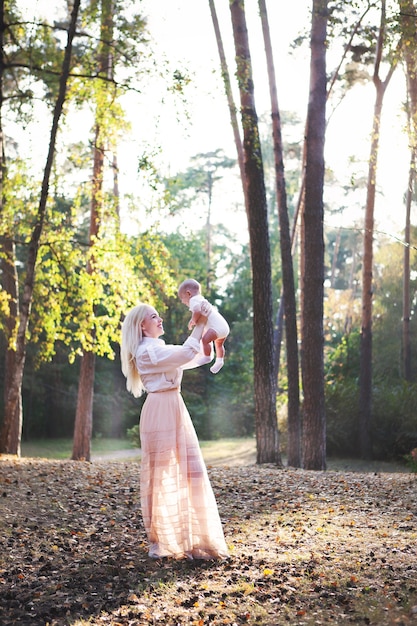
(178, 505)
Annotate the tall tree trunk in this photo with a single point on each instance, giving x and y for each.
(290, 309)
(406, 347)
(83, 425)
(11, 442)
(12, 423)
(312, 359)
(301, 198)
(9, 437)
(408, 17)
(81, 450)
(365, 378)
(267, 437)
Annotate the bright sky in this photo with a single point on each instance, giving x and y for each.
(183, 33)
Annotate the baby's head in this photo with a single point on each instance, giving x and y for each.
(188, 289)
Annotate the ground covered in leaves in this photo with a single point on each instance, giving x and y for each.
(306, 548)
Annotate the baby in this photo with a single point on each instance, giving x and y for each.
(217, 329)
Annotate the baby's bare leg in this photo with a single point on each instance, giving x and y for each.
(220, 352)
(209, 336)
(219, 345)
(207, 339)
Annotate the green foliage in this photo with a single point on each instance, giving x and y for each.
(411, 460)
(50, 398)
(231, 393)
(133, 435)
(394, 423)
(19, 205)
(130, 34)
(352, 37)
(71, 305)
(342, 363)
(233, 390)
(182, 189)
(82, 309)
(342, 415)
(32, 62)
(389, 310)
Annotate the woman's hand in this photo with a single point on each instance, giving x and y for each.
(206, 308)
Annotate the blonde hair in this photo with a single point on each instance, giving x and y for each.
(131, 338)
(191, 285)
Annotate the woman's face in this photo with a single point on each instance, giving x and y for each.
(152, 324)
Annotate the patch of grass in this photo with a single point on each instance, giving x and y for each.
(232, 452)
(61, 449)
(362, 465)
(238, 451)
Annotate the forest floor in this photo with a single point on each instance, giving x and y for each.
(334, 547)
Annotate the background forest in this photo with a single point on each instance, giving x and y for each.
(97, 214)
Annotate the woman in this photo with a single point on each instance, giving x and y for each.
(178, 505)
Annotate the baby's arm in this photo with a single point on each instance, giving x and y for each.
(203, 310)
(194, 319)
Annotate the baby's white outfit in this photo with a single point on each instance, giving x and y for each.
(215, 320)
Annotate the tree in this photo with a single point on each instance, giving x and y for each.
(9, 284)
(312, 359)
(365, 381)
(408, 26)
(12, 422)
(84, 415)
(406, 316)
(288, 292)
(267, 437)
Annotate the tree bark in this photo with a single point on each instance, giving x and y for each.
(290, 309)
(312, 359)
(84, 416)
(81, 449)
(267, 437)
(13, 419)
(10, 437)
(406, 347)
(10, 433)
(83, 425)
(408, 22)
